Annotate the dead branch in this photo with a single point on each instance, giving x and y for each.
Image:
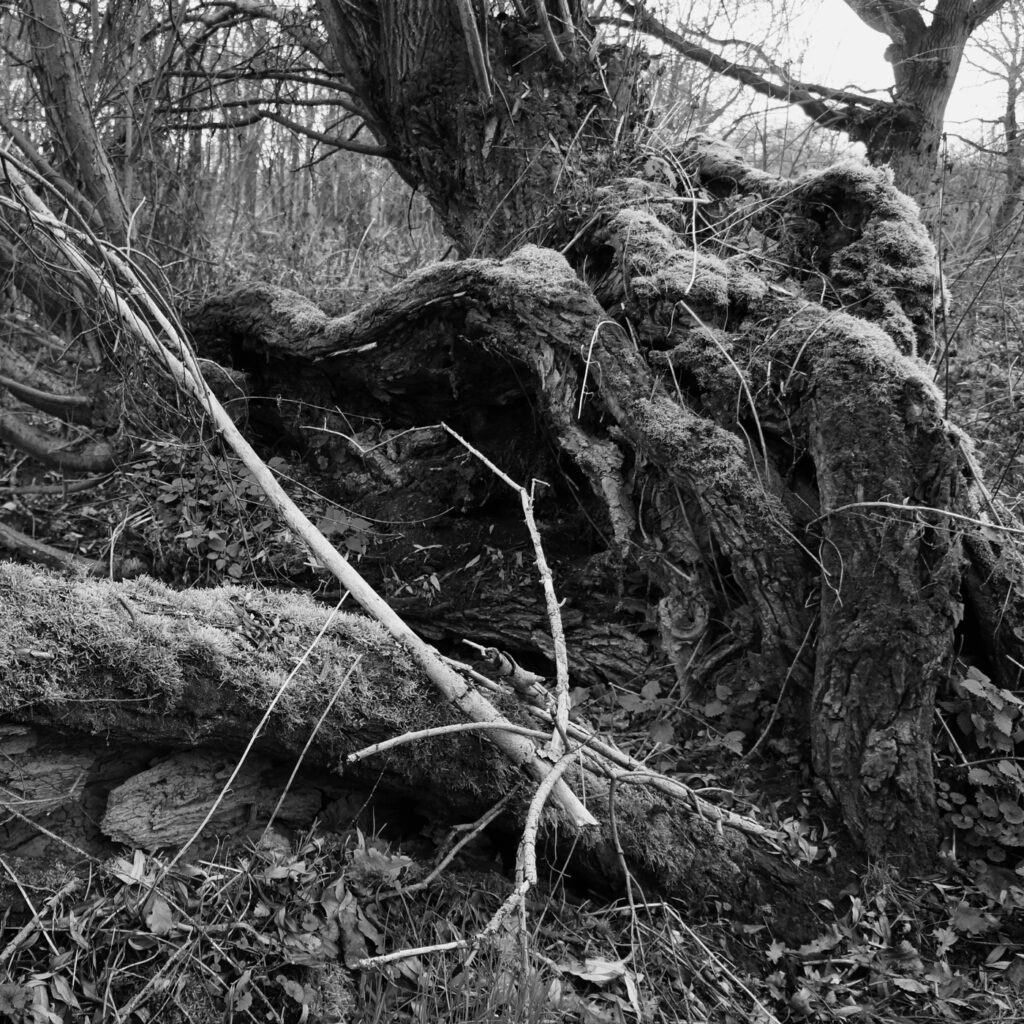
(96, 457)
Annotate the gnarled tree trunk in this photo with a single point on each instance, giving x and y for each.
(750, 488)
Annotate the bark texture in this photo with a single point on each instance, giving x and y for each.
(122, 700)
(769, 475)
(746, 483)
(83, 156)
(490, 157)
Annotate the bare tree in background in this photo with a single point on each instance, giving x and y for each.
(1002, 44)
(925, 48)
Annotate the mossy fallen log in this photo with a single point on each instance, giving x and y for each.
(140, 667)
(108, 688)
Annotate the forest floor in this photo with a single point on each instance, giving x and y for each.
(330, 923)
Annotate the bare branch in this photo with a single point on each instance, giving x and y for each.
(96, 458)
(291, 19)
(46, 170)
(57, 69)
(475, 48)
(831, 108)
(69, 408)
(984, 9)
(260, 114)
(549, 33)
(64, 488)
(32, 550)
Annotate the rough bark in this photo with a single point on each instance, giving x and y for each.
(82, 152)
(926, 59)
(95, 457)
(121, 700)
(776, 442)
(489, 164)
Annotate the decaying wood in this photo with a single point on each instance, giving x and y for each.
(716, 429)
(149, 688)
(26, 548)
(162, 806)
(748, 411)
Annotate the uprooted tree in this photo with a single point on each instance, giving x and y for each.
(721, 378)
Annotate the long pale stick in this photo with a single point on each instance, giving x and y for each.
(177, 357)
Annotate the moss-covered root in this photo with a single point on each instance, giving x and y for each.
(890, 583)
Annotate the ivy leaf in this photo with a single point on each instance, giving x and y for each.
(294, 990)
(1010, 770)
(984, 691)
(1003, 722)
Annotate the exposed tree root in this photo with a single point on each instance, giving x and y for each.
(744, 412)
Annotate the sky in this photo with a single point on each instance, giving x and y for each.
(839, 50)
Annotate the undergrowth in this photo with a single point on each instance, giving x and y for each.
(278, 930)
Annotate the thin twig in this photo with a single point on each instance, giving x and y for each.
(562, 701)
(917, 508)
(439, 730)
(782, 691)
(28, 902)
(312, 736)
(670, 787)
(549, 35)
(472, 830)
(36, 920)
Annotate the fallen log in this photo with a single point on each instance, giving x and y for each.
(124, 706)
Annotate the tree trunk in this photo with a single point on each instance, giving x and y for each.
(926, 61)
(497, 122)
(83, 157)
(1013, 168)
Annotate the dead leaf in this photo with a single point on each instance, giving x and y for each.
(159, 919)
(597, 970)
